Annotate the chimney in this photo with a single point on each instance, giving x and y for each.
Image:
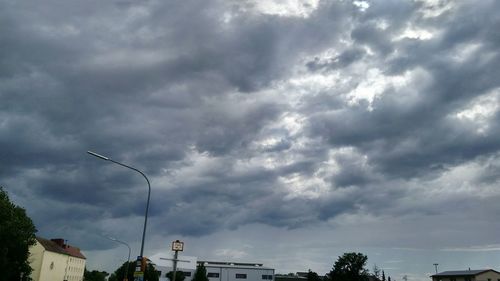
(59, 242)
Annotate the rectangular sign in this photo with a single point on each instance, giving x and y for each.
(177, 245)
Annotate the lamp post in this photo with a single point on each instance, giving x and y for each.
(125, 277)
(147, 204)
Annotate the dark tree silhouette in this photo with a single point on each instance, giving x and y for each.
(17, 234)
(201, 273)
(350, 267)
(179, 275)
(312, 276)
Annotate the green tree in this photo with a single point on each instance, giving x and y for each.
(312, 276)
(376, 272)
(350, 267)
(94, 275)
(179, 275)
(17, 234)
(383, 275)
(150, 273)
(112, 277)
(201, 273)
(122, 271)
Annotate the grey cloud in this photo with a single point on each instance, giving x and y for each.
(170, 88)
(346, 58)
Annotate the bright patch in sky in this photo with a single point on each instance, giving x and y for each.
(415, 33)
(481, 110)
(297, 8)
(362, 5)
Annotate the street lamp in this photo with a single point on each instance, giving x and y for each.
(149, 193)
(125, 277)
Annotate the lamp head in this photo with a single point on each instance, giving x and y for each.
(97, 155)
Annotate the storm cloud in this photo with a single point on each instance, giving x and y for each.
(286, 118)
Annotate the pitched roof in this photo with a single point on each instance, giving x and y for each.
(463, 272)
(52, 246)
(74, 251)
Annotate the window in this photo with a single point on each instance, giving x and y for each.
(241, 276)
(212, 275)
(187, 273)
(267, 277)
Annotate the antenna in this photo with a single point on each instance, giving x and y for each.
(436, 266)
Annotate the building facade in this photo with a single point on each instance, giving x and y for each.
(54, 260)
(216, 271)
(234, 271)
(468, 275)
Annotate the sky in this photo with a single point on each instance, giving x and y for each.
(278, 132)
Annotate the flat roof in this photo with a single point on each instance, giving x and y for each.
(243, 265)
(463, 272)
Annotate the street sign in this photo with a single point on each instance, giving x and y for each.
(177, 246)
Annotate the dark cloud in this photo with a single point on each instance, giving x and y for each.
(241, 117)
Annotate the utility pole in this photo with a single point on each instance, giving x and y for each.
(436, 266)
(176, 247)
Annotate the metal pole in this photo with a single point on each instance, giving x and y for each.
(175, 265)
(149, 193)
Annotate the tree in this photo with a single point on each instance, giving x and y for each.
(383, 275)
(350, 267)
(150, 274)
(120, 273)
(201, 273)
(376, 272)
(112, 277)
(94, 275)
(179, 275)
(17, 235)
(312, 276)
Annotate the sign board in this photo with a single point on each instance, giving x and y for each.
(177, 246)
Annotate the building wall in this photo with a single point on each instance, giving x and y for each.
(455, 278)
(75, 269)
(488, 276)
(245, 274)
(50, 266)
(35, 259)
(53, 267)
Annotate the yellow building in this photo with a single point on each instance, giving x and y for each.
(468, 275)
(54, 260)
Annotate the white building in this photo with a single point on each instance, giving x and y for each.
(236, 271)
(216, 271)
(54, 260)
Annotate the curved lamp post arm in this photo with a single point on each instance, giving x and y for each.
(123, 243)
(149, 191)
